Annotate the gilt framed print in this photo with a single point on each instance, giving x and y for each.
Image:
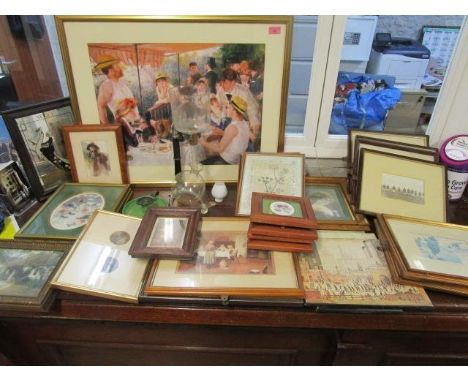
(225, 267)
(200, 76)
(169, 233)
(99, 264)
(273, 173)
(26, 268)
(331, 205)
(36, 131)
(402, 186)
(67, 211)
(96, 153)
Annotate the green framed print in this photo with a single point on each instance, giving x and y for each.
(67, 211)
(26, 268)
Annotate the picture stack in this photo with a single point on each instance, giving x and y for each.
(281, 223)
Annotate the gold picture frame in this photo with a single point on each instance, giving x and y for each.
(273, 35)
(402, 186)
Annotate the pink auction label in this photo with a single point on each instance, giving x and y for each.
(274, 29)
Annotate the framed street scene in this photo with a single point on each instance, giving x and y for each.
(225, 267)
(99, 263)
(36, 131)
(219, 81)
(96, 153)
(66, 212)
(26, 268)
(403, 186)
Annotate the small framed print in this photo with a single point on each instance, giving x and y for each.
(402, 186)
(331, 205)
(26, 268)
(67, 211)
(426, 253)
(99, 264)
(96, 153)
(225, 267)
(274, 173)
(167, 233)
(281, 210)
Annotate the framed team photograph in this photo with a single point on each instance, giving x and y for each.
(36, 131)
(208, 78)
(96, 153)
(167, 233)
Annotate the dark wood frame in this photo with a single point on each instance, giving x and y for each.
(257, 216)
(242, 168)
(403, 148)
(359, 222)
(46, 295)
(139, 247)
(10, 118)
(399, 267)
(115, 128)
(361, 169)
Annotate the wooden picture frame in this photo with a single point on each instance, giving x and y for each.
(402, 186)
(331, 204)
(428, 154)
(277, 173)
(36, 131)
(107, 270)
(425, 253)
(96, 153)
(156, 43)
(54, 220)
(282, 210)
(225, 268)
(26, 268)
(159, 234)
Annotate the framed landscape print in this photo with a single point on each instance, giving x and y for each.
(36, 131)
(427, 253)
(99, 263)
(180, 71)
(96, 153)
(225, 267)
(26, 268)
(169, 233)
(331, 206)
(273, 173)
(402, 186)
(66, 212)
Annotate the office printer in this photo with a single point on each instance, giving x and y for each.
(405, 59)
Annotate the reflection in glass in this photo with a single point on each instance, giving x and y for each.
(168, 232)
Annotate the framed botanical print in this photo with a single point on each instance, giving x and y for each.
(402, 186)
(26, 268)
(99, 263)
(96, 153)
(36, 131)
(331, 204)
(273, 173)
(225, 267)
(67, 211)
(135, 71)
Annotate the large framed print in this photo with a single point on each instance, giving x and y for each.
(402, 186)
(36, 131)
(427, 253)
(350, 270)
(26, 268)
(225, 267)
(272, 173)
(331, 204)
(96, 153)
(99, 263)
(135, 70)
(67, 211)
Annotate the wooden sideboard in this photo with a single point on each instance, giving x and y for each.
(84, 330)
